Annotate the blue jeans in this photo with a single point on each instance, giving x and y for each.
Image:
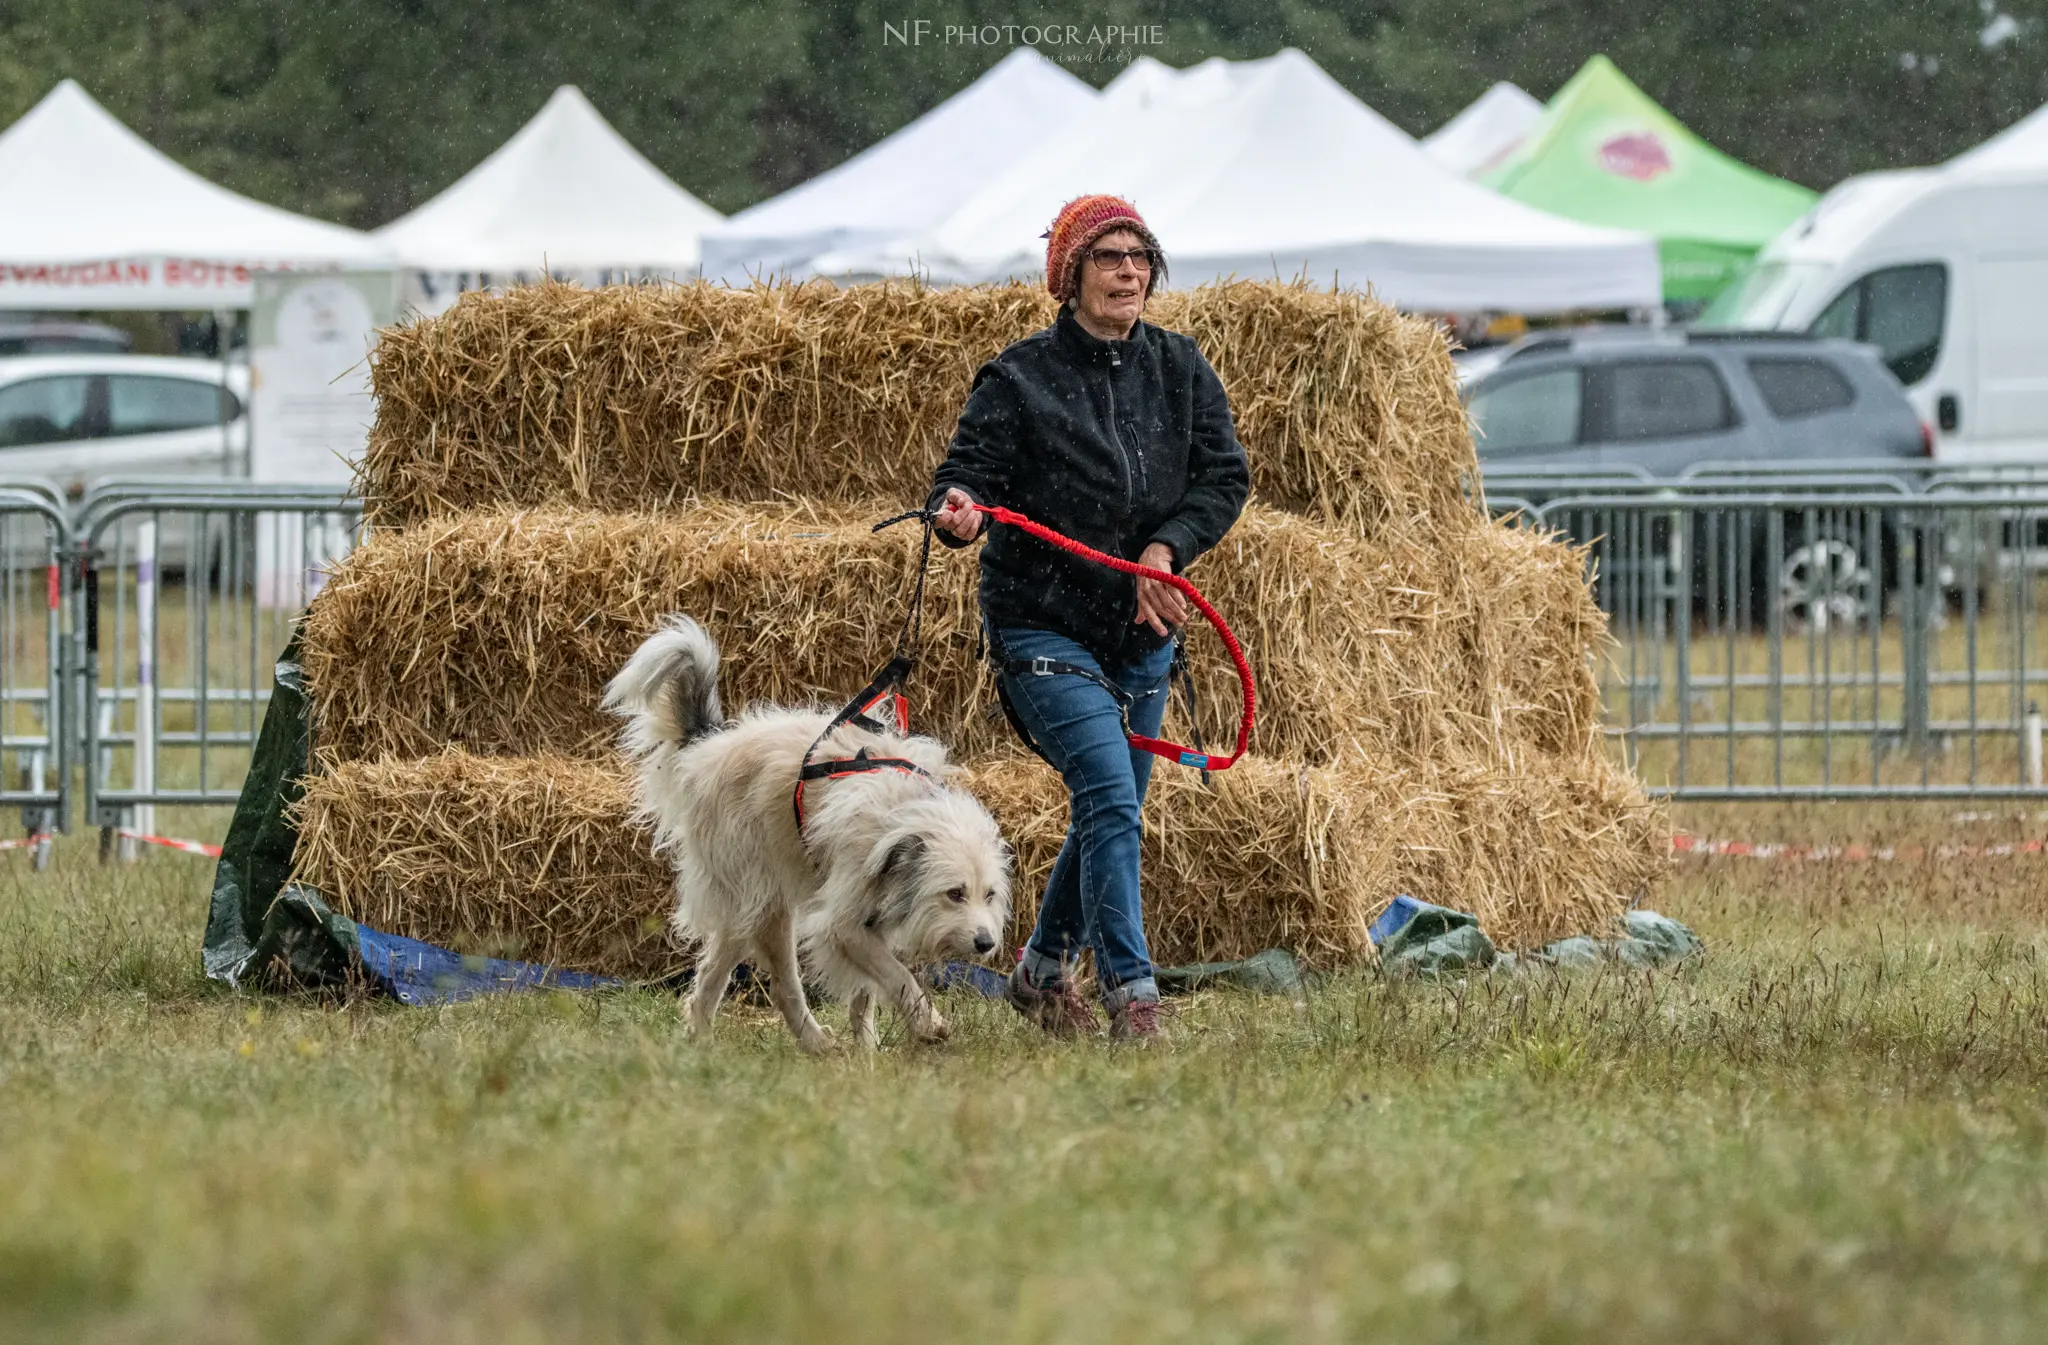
(1092, 900)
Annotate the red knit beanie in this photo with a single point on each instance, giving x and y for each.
(1080, 222)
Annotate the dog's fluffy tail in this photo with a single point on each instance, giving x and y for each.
(668, 690)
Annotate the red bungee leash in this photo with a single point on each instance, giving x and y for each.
(1207, 761)
(887, 687)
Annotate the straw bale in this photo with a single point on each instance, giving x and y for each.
(553, 470)
(1278, 854)
(538, 857)
(1540, 849)
(630, 398)
(530, 857)
(498, 631)
(1526, 633)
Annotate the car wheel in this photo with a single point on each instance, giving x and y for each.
(1823, 583)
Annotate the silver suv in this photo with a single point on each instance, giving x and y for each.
(1665, 401)
(1620, 400)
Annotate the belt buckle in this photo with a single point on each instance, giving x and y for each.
(1041, 667)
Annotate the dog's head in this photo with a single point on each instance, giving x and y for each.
(943, 874)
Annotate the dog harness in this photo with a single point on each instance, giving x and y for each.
(887, 686)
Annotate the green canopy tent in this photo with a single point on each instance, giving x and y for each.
(1605, 153)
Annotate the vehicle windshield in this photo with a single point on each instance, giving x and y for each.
(1901, 310)
(1762, 296)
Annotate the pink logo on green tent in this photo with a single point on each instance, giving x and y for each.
(1605, 153)
(1638, 155)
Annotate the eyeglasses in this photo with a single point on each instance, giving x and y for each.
(1112, 259)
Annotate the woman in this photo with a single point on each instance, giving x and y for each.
(1117, 434)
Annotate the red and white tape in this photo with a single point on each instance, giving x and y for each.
(1683, 844)
(171, 843)
(168, 842)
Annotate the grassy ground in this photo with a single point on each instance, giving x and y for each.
(1833, 1128)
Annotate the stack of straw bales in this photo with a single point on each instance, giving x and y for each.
(552, 470)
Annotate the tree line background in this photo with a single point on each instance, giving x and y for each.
(358, 110)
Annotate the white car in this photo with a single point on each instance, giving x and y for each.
(72, 420)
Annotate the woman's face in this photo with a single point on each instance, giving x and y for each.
(1113, 299)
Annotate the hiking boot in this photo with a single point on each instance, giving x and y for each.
(1138, 1020)
(1059, 1009)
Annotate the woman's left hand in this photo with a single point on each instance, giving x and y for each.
(1160, 606)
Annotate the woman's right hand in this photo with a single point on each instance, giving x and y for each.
(959, 516)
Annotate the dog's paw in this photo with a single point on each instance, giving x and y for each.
(931, 1029)
(817, 1041)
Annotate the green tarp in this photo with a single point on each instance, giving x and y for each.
(1438, 941)
(1273, 972)
(1605, 153)
(1435, 940)
(265, 932)
(257, 926)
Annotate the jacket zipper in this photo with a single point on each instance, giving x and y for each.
(1131, 479)
(1116, 433)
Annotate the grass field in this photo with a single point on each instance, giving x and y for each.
(1833, 1128)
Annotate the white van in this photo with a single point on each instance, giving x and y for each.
(1946, 271)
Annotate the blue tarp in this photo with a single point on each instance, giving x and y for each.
(413, 972)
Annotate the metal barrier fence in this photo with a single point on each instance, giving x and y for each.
(142, 624)
(1506, 476)
(36, 749)
(1821, 643)
(186, 600)
(1825, 635)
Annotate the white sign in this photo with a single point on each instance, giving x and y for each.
(310, 339)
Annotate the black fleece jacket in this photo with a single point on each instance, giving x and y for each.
(1117, 444)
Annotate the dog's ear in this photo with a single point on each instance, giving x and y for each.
(893, 870)
(896, 855)
(900, 857)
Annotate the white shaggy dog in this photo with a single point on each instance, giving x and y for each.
(893, 868)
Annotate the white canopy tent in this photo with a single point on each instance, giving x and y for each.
(566, 194)
(977, 240)
(94, 217)
(1487, 131)
(905, 182)
(1271, 168)
(1152, 88)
